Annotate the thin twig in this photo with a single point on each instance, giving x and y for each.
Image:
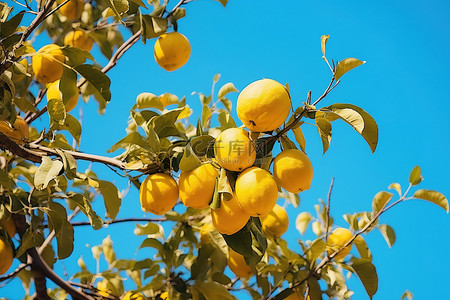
(108, 222)
(328, 209)
(15, 272)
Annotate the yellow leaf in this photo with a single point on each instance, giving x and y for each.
(346, 65)
(324, 40)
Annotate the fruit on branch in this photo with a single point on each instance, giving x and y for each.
(237, 264)
(72, 10)
(293, 170)
(53, 92)
(133, 296)
(18, 133)
(79, 39)
(158, 193)
(6, 253)
(197, 186)
(47, 63)
(9, 225)
(263, 105)
(337, 239)
(276, 223)
(172, 50)
(229, 218)
(256, 191)
(234, 150)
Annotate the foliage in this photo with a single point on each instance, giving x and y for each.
(43, 188)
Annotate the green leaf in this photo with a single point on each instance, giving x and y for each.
(189, 161)
(302, 221)
(432, 196)
(5, 181)
(24, 104)
(97, 79)
(139, 2)
(324, 128)
(380, 200)
(211, 290)
(323, 41)
(215, 203)
(355, 116)
(388, 234)
(225, 89)
(397, 187)
(57, 216)
(152, 243)
(75, 57)
(368, 274)
(86, 208)
(407, 294)
(226, 121)
(47, 171)
(299, 137)
(149, 228)
(118, 7)
(9, 27)
(224, 2)
(315, 293)
(206, 115)
(224, 186)
(415, 176)
(316, 249)
(346, 65)
(202, 145)
(71, 124)
(111, 197)
(134, 138)
(362, 248)
(69, 162)
(57, 111)
(148, 100)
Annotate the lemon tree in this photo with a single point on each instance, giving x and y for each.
(219, 183)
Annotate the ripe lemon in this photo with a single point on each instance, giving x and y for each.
(172, 50)
(276, 222)
(234, 150)
(72, 10)
(229, 218)
(337, 239)
(197, 186)
(158, 193)
(293, 170)
(164, 295)
(47, 63)
(53, 92)
(18, 133)
(6, 256)
(133, 296)
(79, 39)
(237, 264)
(9, 225)
(263, 105)
(256, 191)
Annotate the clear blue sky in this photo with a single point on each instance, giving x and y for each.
(403, 85)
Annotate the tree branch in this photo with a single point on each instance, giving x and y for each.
(15, 272)
(328, 209)
(108, 222)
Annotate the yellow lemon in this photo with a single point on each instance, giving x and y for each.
(256, 191)
(18, 133)
(6, 256)
(263, 105)
(229, 218)
(293, 170)
(276, 222)
(237, 264)
(133, 296)
(53, 92)
(47, 63)
(337, 239)
(72, 10)
(9, 225)
(79, 39)
(172, 50)
(158, 193)
(197, 186)
(234, 150)
(164, 296)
